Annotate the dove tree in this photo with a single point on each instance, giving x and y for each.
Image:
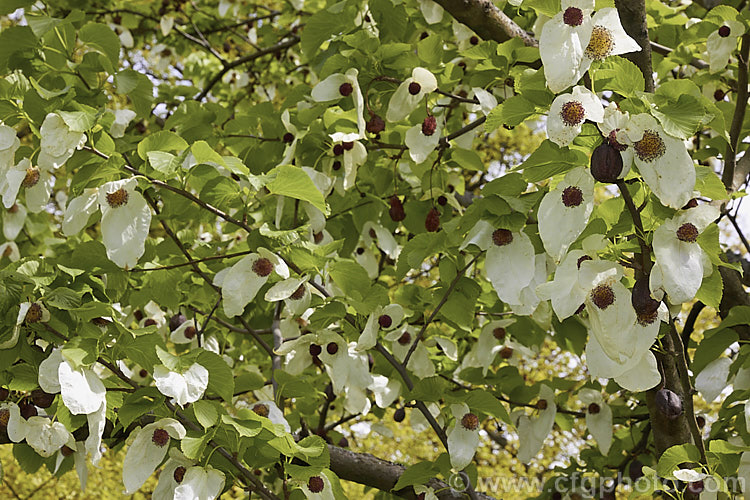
(232, 231)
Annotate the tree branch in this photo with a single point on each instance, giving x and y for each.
(730, 157)
(486, 20)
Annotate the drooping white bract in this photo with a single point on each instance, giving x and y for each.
(423, 138)
(565, 291)
(568, 112)
(382, 318)
(383, 239)
(59, 142)
(29, 312)
(79, 210)
(409, 94)
(509, 264)
(485, 349)
(429, 493)
(12, 421)
(386, 390)
(79, 457)
(712, 379)
(572, 39)
(295, 292)
(13, 221)
(178, 336)
(528, 300)
(463, 436)
(339, 85)
(615, 123)
(564, 212)
(269, 409)
(37, 184)
(532, 431)
(46, 436)
(9, 144)
(148, 449)
(200, 484)
(186, 387)
(598, 418)
(318, 487)
(634, 369)
(681, 263)
(122, 118)
(81, 389)
(662, 160)
(721, 43)
(236, 79)
(301, 351)
(432, 11)
(10, 249)
(296, 136)
(241, 282)
(353, 152)
(401, 341)
(126, 219)
(174, 468)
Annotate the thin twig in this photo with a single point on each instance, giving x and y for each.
(183, 264)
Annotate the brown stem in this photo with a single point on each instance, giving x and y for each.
(730, 157)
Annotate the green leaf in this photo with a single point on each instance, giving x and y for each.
(27, 458)
(738, 315)
(485, 402)
(714, 342)
(64, 298)
(139, 403)
(682, 118)
(138, 88)
(164, 140)
(466, 159)
(620, 75)
(549, 160)
(510, 184)
(429, 389)
(430, 49)
(193, 447)
(329, 313)
(321, 26)
(419, 473)
(78, 121)
(164, 162)
(203, 153)
(220, 379)
(15, 39)
(515, 110)
(9, 6)
(101, 38)
(672, 458)
(245, 428)
(205, 413)
(350, 277)
(711, 289)
(709, 184)
(142, 349)
(295, 183)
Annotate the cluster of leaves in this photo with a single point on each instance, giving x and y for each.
(229, 229)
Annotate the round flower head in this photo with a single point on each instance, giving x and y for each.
(409, 94)
(338, 86)
(200, 483)
(608, 38)
(564, 212)
(490, 342)
(147, 451)
(291, 133)
(532, 431)
(615, 123)
(662, 160)
(241, 282)
(722, 42)
(36, 183)
(318, 487)
(126, 219)
(681, 262)
(423, 138)
(59, 142)
(9, 143)
(463, 436)
(568, 112)
(186, 387)
(352, 151)
(598, 418)
(186, 333)
(302, 352)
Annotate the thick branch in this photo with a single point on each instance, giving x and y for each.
(633, 18)
(486, 20)
(368, 470)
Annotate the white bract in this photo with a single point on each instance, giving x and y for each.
(37, 184)
(712, 379)
(681, 263)
(29, 312)
(409, 94)
(463, 436)
(13, 221)
(353, 152)
(126, 219)
(295, 292)
(485, 349)
(721, 43)
(122, 118)
(432, 12)
(46, 436)
(382, 318)
(81, 389)
(267, 408)
(339, 85)
(532, 431)
(200, 483)
(174, 468)
(509, 264)
(568, 112)
(148, 449)
(10, 249)
(662, 160)
(59, 142)
(241, 282)
(9, 144)
(423, 138)
(572, 39)
(186, 387)
(598, 418)
(564, 212)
